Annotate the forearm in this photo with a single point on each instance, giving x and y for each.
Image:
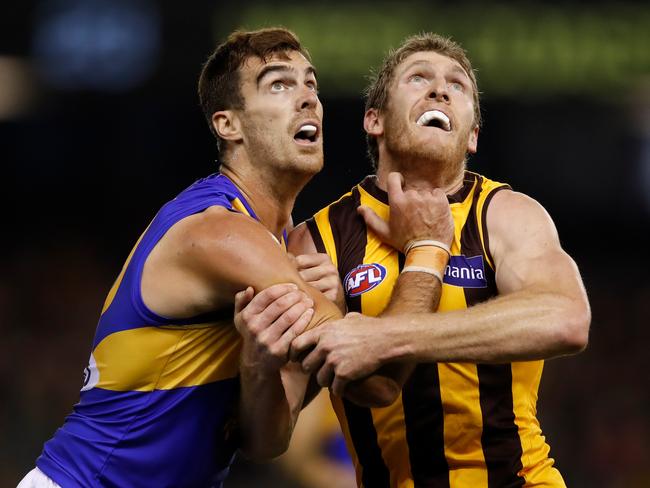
(269, 406)
(414, 292)
(265, 416)
(525, 325)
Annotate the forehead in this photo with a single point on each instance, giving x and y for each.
(253, 65)
(429, 59)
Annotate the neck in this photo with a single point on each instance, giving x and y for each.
(270, 197)
(425, 175)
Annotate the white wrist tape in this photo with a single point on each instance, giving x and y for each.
(426, 242)
(423, 269)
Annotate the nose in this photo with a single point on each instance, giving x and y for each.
(438, 90)
(308, 98)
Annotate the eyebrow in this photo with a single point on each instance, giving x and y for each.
(456, 68)
(271, 68)
(460, 70)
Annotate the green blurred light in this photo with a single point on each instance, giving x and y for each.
(526, 49)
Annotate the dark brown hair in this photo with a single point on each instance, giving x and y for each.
(377, 91)
(219, 83)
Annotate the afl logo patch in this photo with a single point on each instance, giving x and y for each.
(363, 278)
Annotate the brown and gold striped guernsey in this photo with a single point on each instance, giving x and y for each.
(454, 425)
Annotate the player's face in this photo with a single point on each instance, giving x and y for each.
(282, 116)
(430, 110)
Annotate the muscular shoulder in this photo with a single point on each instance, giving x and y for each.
(514, 219)
(204, 259)
(228, 246)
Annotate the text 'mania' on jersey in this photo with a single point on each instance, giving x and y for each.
(466, 272)
(363, 278)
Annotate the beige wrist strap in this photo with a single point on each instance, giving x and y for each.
(427, 258)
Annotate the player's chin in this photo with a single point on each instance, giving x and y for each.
(310, 162)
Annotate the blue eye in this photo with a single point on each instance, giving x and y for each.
(416, 79)
(457, 86)
(278, 86)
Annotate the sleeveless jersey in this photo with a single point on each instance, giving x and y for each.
(454, 425)
(157, 403)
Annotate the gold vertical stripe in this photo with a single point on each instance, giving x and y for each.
(538, 468)
(389, 421)
(339, 409)
(391, 438)
(463, 422)
(322, 220)
(374, 302)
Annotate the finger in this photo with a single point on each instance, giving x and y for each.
(325, 375)
(288, 318)
(292, 259)
(338, 386)
(297, 327)
(312, 260)
(313, 361)
(303, 343)
(269, 295)
(394, 184)
(265, 318)
(312, 275)
(374, 222)
(243, 298)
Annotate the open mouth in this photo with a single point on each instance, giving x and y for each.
(307, 133)
(435, 118)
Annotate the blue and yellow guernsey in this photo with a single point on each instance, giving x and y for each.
(157, 404)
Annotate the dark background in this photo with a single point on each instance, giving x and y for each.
(97, 131)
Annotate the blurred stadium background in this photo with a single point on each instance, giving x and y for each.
(100, 125)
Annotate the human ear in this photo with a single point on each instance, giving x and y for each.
(373, 123)
(472, 142)
(226, 125)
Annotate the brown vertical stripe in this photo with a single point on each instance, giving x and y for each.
(315, 235)
(470, 246)
(349, 233)
(350, 238)
(424, 422)
(500, 437)
(486, 235)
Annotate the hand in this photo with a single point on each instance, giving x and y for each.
(343, 350)
(269, 322)
(414, 215)
(318, 271)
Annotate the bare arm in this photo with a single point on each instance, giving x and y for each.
(198, 267)
(542, 310)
